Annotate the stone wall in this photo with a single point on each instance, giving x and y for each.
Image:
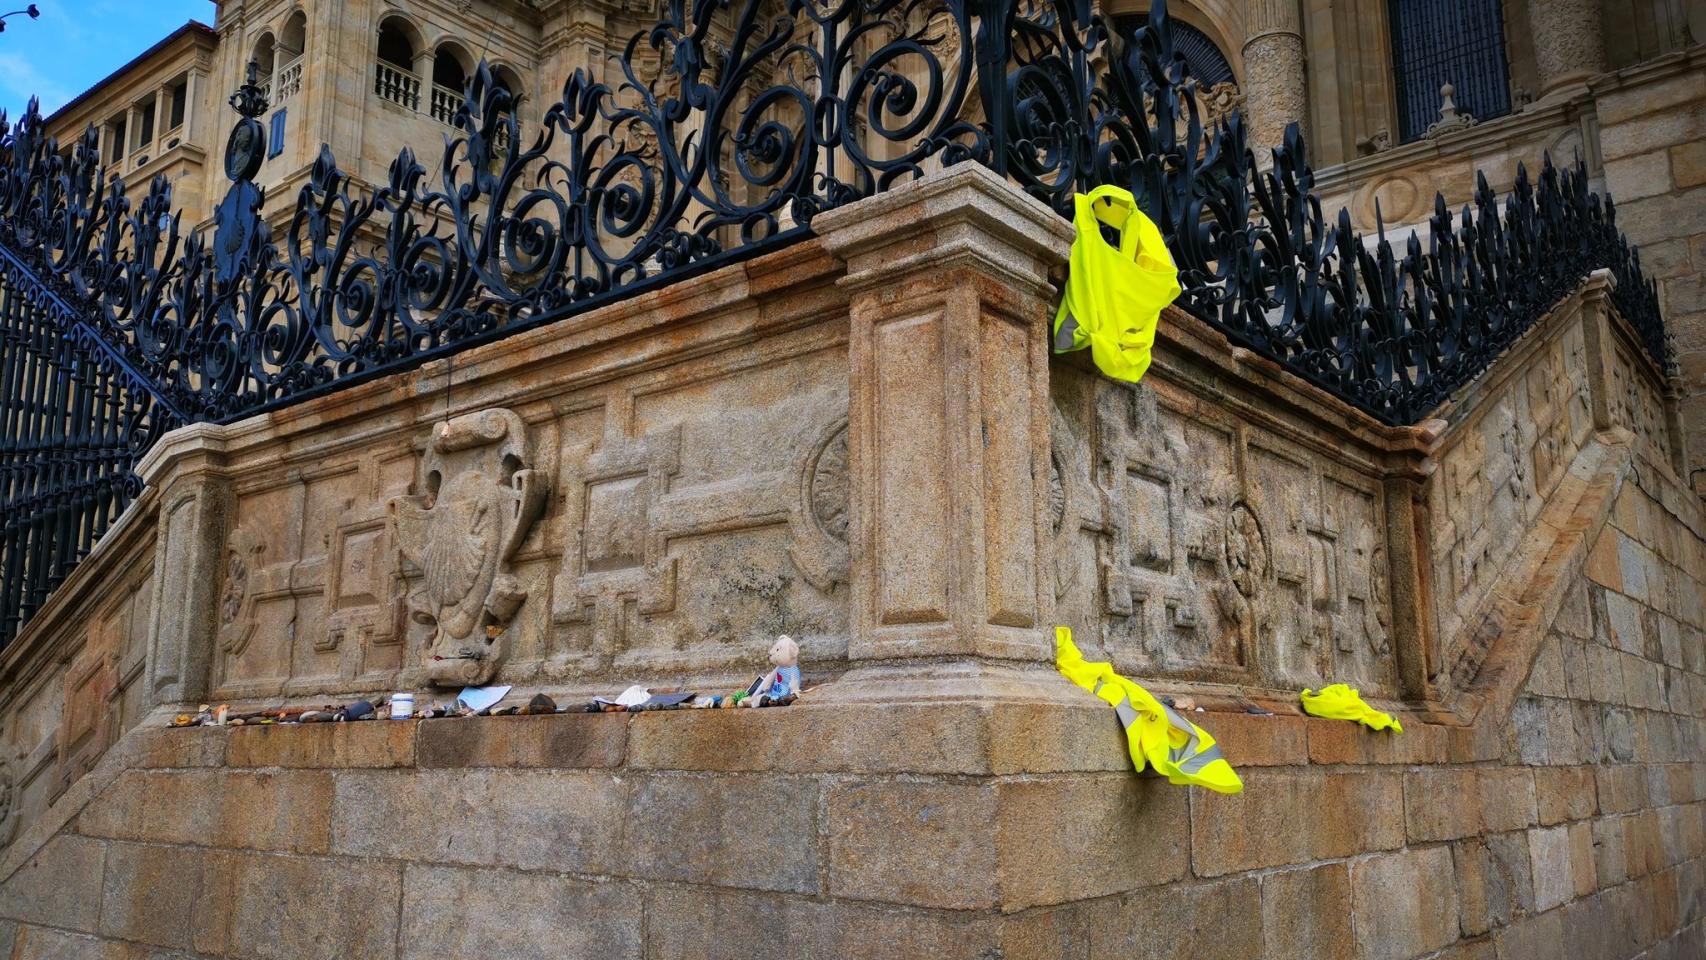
(1653, 133)
(861, 441)
(1638, 129)
(75, 679)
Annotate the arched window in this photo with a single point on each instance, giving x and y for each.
(291, 42)
(1202, 55)
(266, 56)
(294, 38)
(395, 44)
(507, 79)
(394, 76)
(449, 76)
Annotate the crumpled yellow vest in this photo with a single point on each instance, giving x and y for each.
(1114, 296)
(1340, 702)
(1178, 749)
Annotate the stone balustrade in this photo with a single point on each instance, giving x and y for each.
(289, 81)
(397, 85)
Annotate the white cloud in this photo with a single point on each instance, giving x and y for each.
(19, 80)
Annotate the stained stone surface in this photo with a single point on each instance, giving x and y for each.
(1521, 581)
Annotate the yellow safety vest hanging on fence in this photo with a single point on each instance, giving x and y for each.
(1114, 296)
(1340, 702)
(1178, 749)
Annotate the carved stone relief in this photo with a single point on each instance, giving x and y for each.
(10, 808)
(616, 560)
(482, 498)
(364, 596)
(819, 521)
(1163, 534)
(1220, 553)
(1635, 404)
(244, 555)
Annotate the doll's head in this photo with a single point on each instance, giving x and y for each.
(784, 652)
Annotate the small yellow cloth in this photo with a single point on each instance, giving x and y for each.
(1340, 702)
(1178, 749)
(1114, 295)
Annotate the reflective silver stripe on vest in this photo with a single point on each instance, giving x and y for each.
(1063, 336)
(1127, 712)
(1186, 757)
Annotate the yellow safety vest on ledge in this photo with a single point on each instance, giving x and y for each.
(1178, 749)
(1341, 702)
(1114, 296)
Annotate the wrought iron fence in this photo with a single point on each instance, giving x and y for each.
(733, 124)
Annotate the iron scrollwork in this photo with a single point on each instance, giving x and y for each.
(731, 126)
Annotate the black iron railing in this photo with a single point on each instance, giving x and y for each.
(735, 123)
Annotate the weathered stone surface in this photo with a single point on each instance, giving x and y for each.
(155, 895)
(1039, 862)
(893, 842)
(695, 829)
(1444, 804)
(1244, 831)
(262, 810)
(1228, 925)
(1688, 164)
(287, 908)
(777, 927)
(1296, 918)
(46, 943)
(324, 745)
(559, 820)
(191, 747)
(1643, 175)
(1405, 903)
(1549, 848)
(60, 886)
(1564, 793)
(1257, 741)
(455, 912)
(568, 741)
(1336, 742)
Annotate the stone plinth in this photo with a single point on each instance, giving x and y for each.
(948, 428)
(860, 441)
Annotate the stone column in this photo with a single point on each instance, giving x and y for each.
(1568, 45)
(1275, 92)
(948, 428)
(187, 466)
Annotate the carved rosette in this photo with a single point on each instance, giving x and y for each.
(482, 497)
(820, 517)
(244, 552)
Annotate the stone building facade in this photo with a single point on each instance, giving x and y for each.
(872, 451)
(861, 440)
(1616, 82)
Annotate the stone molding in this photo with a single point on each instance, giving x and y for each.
(862, 441)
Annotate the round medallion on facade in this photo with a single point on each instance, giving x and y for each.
(236, 587)
(1056, 492)
(827, 485)
(245, 150)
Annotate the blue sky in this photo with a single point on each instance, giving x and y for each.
(77, 42)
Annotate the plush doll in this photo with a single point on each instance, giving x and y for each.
(783, 680)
